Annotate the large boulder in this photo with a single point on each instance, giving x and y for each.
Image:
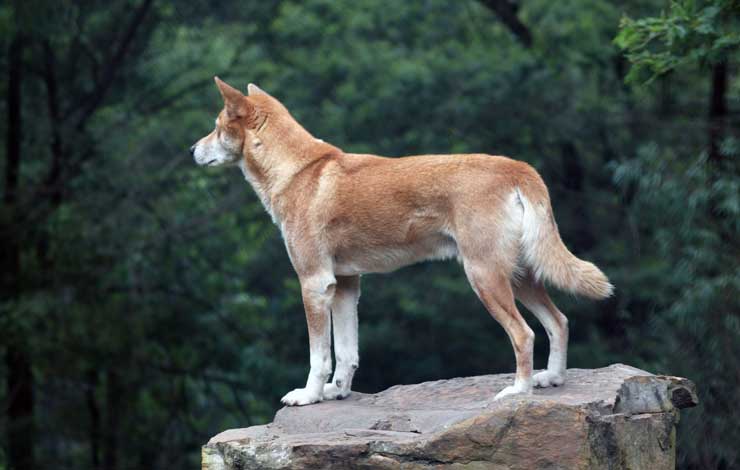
(612, 418)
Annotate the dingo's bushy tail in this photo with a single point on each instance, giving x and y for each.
(547, 256)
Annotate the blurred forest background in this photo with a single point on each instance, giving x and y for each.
(147, 304)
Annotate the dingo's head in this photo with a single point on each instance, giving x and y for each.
(241, 127)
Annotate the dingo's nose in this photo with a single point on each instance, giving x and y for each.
(192, 151)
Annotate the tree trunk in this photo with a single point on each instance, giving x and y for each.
(717, 110)
(573, 182)
(53, 187)
(17, 357)
(113, 405)
(92, 406)
(20, 407)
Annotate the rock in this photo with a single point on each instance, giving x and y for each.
(614, 417)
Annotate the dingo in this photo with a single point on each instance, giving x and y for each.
(343, 215)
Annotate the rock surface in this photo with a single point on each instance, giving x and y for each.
(614, 417)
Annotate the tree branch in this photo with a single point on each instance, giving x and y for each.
(52, 99)
(62, 171)
(506, 11)
(114, 63)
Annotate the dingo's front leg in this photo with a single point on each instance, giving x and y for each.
(318, 293)
(344, 319)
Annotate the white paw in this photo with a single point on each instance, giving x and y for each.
(300, 396)
(332, 392)
(548, 378)
(512, 390)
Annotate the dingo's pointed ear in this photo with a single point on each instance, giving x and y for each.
(234, 100)
(253, 89)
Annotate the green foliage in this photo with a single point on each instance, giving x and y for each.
(689, 213)
(684, 205)
(690, 32)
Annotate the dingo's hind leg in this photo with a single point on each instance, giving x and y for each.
(489, 244)
(533, 295)
(494, 289)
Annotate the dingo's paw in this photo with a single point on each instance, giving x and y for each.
(332, 392)
(548, 378)
(512, 390)
(300, 396)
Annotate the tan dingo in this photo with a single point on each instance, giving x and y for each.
(343, 215)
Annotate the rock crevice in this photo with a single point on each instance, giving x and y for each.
(614, 417)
